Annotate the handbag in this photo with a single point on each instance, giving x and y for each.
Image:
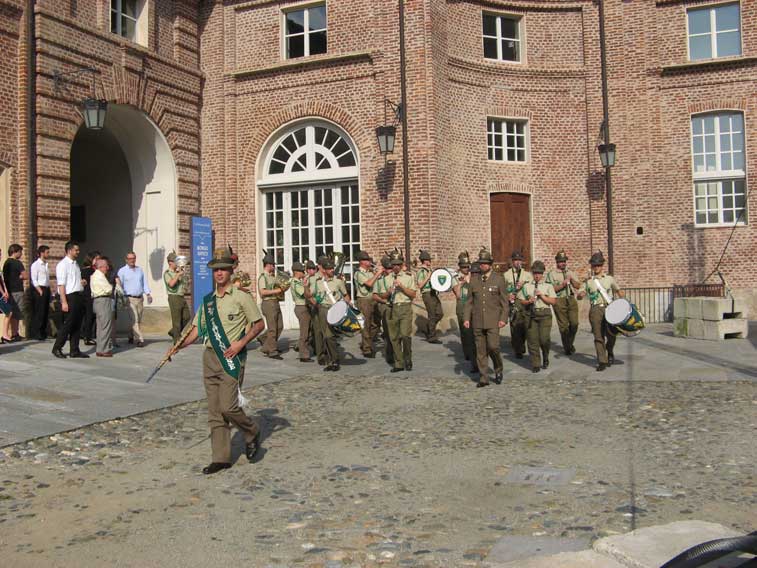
(5, 306)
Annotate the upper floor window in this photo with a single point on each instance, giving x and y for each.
(714, 31)
(719, 169)
(502, 37)
(506, 140)
(124, 17)
(305, 31)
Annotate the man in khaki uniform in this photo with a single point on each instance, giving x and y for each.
(601, 289)
(431, 301)
(538, 296)
(227, 321)
(400, 294)
(565, 282)
(174, 280)
(486, 313)
(329, 291)
(462, 293)
(270, 296)
(365, 279)
(380, 294)
(301, 310)
(515, 277)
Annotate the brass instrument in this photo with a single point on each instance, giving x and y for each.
(339, 261)
(283, 280)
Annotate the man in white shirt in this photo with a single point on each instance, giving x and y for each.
(135, 286)
(70, 289)
(40, 294)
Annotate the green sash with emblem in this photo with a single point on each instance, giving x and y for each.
(213, 332)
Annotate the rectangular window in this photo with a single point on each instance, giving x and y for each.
(502, 40)
(123, 18)
(506, 140)
(719, 169)
(714, 31)
(305, 32)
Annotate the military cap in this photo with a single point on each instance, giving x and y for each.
(221, 259)
(424, 255)
(386, 262)
(484, 256)
(321, 259)
(327, 262)
(171, 256)
(561, 256)
(463, 259)
(475, 268)
(268, 258)
(298, 267)
(597, 259)
(517, 255)
(310, 265)
(538, 267)
(363, 255)
(395, 258)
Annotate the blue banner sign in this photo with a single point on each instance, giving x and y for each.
(202, 252)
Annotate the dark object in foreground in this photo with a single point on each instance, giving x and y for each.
(706, 552)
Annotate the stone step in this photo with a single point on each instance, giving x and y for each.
(710, 309)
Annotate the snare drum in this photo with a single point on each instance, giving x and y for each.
(623, 317)
(342, 317)
(441, 280)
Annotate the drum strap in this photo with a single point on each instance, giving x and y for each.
(328, 292)
(602, 291)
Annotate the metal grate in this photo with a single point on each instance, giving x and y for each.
(656, 304)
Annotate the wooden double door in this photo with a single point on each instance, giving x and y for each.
(510, 225)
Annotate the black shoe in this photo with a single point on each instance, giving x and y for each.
(89, 342)
(252, 448)
(277, 357)
(535, 369)
(435, 341)
(335, 367)
(498, 378)
(519, 355)
(545, 364)
(610, 359)
(140, 344)
(397, 369)
(215, 467)
(303, 360)
(408, 366)
(59, 354)
(480, 385)
(601, 367)
(78, 355)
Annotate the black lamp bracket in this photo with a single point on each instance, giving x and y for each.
(60, 77)
(396, 109)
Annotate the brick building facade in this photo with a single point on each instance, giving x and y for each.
(224, 83)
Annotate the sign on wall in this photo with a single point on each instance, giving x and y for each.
(202, 252)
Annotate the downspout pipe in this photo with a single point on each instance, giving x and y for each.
(31, 133)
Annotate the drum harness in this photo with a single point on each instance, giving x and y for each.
(514, 304)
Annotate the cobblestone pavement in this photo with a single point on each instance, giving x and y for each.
(357, 470)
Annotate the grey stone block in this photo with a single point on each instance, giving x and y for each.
(516, 548)
(716, 309)
(731, 328)
(693, 308)
(679, 308)
(680, 326)
(583, 559)
(695, 328)
(651, 547)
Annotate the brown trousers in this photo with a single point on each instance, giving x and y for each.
(434, 313)
(275, 324)
(303, 316)
(316, 334)
(539, 327)
(604, 342)
(487, 345)
(223, 408)
(383, 312)
(330, 347)
(566, 313)
(370, 326)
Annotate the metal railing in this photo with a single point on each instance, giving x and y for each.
(656, 303)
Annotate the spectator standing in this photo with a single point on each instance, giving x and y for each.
(88, 321)
(14, 276)
(102, 300)
(135, 287)
(5, 307)
(40, 294)
(70, 289)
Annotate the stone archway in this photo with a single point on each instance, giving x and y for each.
(123, 192)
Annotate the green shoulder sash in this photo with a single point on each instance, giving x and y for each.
(213, 331)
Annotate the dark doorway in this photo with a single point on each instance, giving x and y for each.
(511, 225)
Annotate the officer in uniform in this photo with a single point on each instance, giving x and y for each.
(515, 277)
(227, 321)
(329, 291)
(430, 297)
(174, 279)
(565, 283)
(380, 295)
(365, 279)
(538, 296)
(301, 310)
(400, 294)
(486, 312)
(270, 295)
(462, 293)
(601, 289)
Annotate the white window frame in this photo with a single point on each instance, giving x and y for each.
(518, 18)
(718, 176)
(306, 25)
(526, 139)
(140, 21)
(713, 33)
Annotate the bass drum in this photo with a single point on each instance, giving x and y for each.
(441, 280)
(343, 318)
(623, 317)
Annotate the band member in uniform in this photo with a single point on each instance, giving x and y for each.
(430, 297)
(227, 321)
(515, 277)
(380, 297)
(330, 290)
(462, 293)
(538, 296)
(601, 289)
(301, 310)
(565, 283)
(314, 338)
(365, 279)
(175, 281)
(486, 312)
(400, 297)
(270, 295)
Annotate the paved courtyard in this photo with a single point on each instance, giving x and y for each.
(361, 467)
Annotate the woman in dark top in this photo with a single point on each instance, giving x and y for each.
(88, 322)
(13, 277)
